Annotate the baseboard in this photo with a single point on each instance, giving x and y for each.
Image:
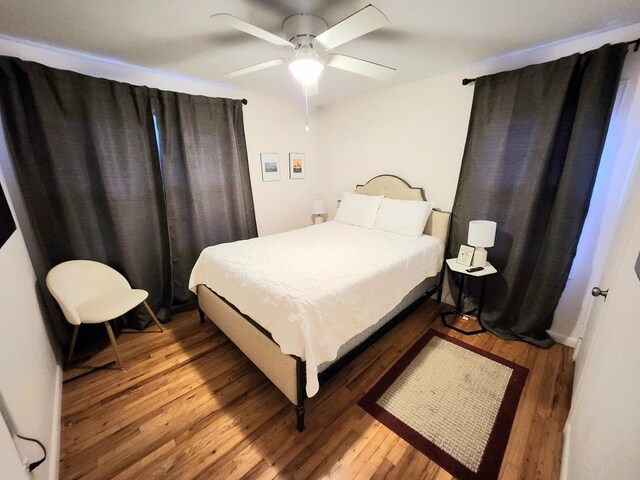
(563, 339)
(56, 428)
(564, 465)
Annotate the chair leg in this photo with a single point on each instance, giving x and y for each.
(153, 316)
(74, 337)
(112, 338)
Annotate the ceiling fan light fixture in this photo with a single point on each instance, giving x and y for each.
(306, 70)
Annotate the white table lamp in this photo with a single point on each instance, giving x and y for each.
(482, 234)
(318, 209)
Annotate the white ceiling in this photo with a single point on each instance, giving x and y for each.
(423, 37)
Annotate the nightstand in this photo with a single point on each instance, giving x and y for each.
(459, 269)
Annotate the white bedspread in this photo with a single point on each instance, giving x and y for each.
(316, 287)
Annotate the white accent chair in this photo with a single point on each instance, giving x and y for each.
(92, 292)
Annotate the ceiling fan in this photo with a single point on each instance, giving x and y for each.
(312, 41)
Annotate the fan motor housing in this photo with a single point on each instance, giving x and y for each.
(302, 28)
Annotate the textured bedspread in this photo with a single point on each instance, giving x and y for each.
(316, 287)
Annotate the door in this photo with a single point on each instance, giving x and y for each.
(598, 251)
(602, 436)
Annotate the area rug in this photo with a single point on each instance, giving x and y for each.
(453, 402)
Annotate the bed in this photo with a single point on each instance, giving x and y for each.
(302, 304)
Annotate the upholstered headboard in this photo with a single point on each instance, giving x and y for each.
(395, 187)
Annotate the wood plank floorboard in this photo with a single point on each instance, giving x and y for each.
(190, 405)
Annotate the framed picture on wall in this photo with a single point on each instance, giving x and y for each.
(296, 165)
(270, 167)
(7, 225)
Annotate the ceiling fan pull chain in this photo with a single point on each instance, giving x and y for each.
(306, 107)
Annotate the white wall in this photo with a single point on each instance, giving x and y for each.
(418, 131)
(30, 376)
(9, 457)
(271, 125)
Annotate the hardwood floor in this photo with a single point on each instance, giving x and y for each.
(190, 406)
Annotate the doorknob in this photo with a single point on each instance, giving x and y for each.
(597, 292)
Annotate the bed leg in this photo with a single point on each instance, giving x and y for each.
(441, 287)
(300, 417)
(301, 384)
(201, 312)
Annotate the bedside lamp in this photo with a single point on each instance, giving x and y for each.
(482, 234)
(318, 209)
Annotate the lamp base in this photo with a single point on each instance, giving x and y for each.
(318, 219)
(479, 257)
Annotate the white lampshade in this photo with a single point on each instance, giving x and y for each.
(306, 70)
(482, 233)
(318, 207)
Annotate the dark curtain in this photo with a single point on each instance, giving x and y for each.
(85, 157)
(532, 153)
(206, 179)
(7, 225)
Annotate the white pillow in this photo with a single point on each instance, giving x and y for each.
(358, 210)
(406, 217)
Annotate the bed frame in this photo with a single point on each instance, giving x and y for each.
(287, 372)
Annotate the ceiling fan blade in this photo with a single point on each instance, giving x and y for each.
(254, 68)
(358, 24)
(247, 27)
(361, 67)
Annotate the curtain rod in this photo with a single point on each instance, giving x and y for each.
(245, 101)
(636, 42)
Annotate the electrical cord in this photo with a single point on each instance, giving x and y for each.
(32, 466)
(447, 296)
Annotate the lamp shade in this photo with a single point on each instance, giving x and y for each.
(482, 233)
(306, 70)
(318, 207)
